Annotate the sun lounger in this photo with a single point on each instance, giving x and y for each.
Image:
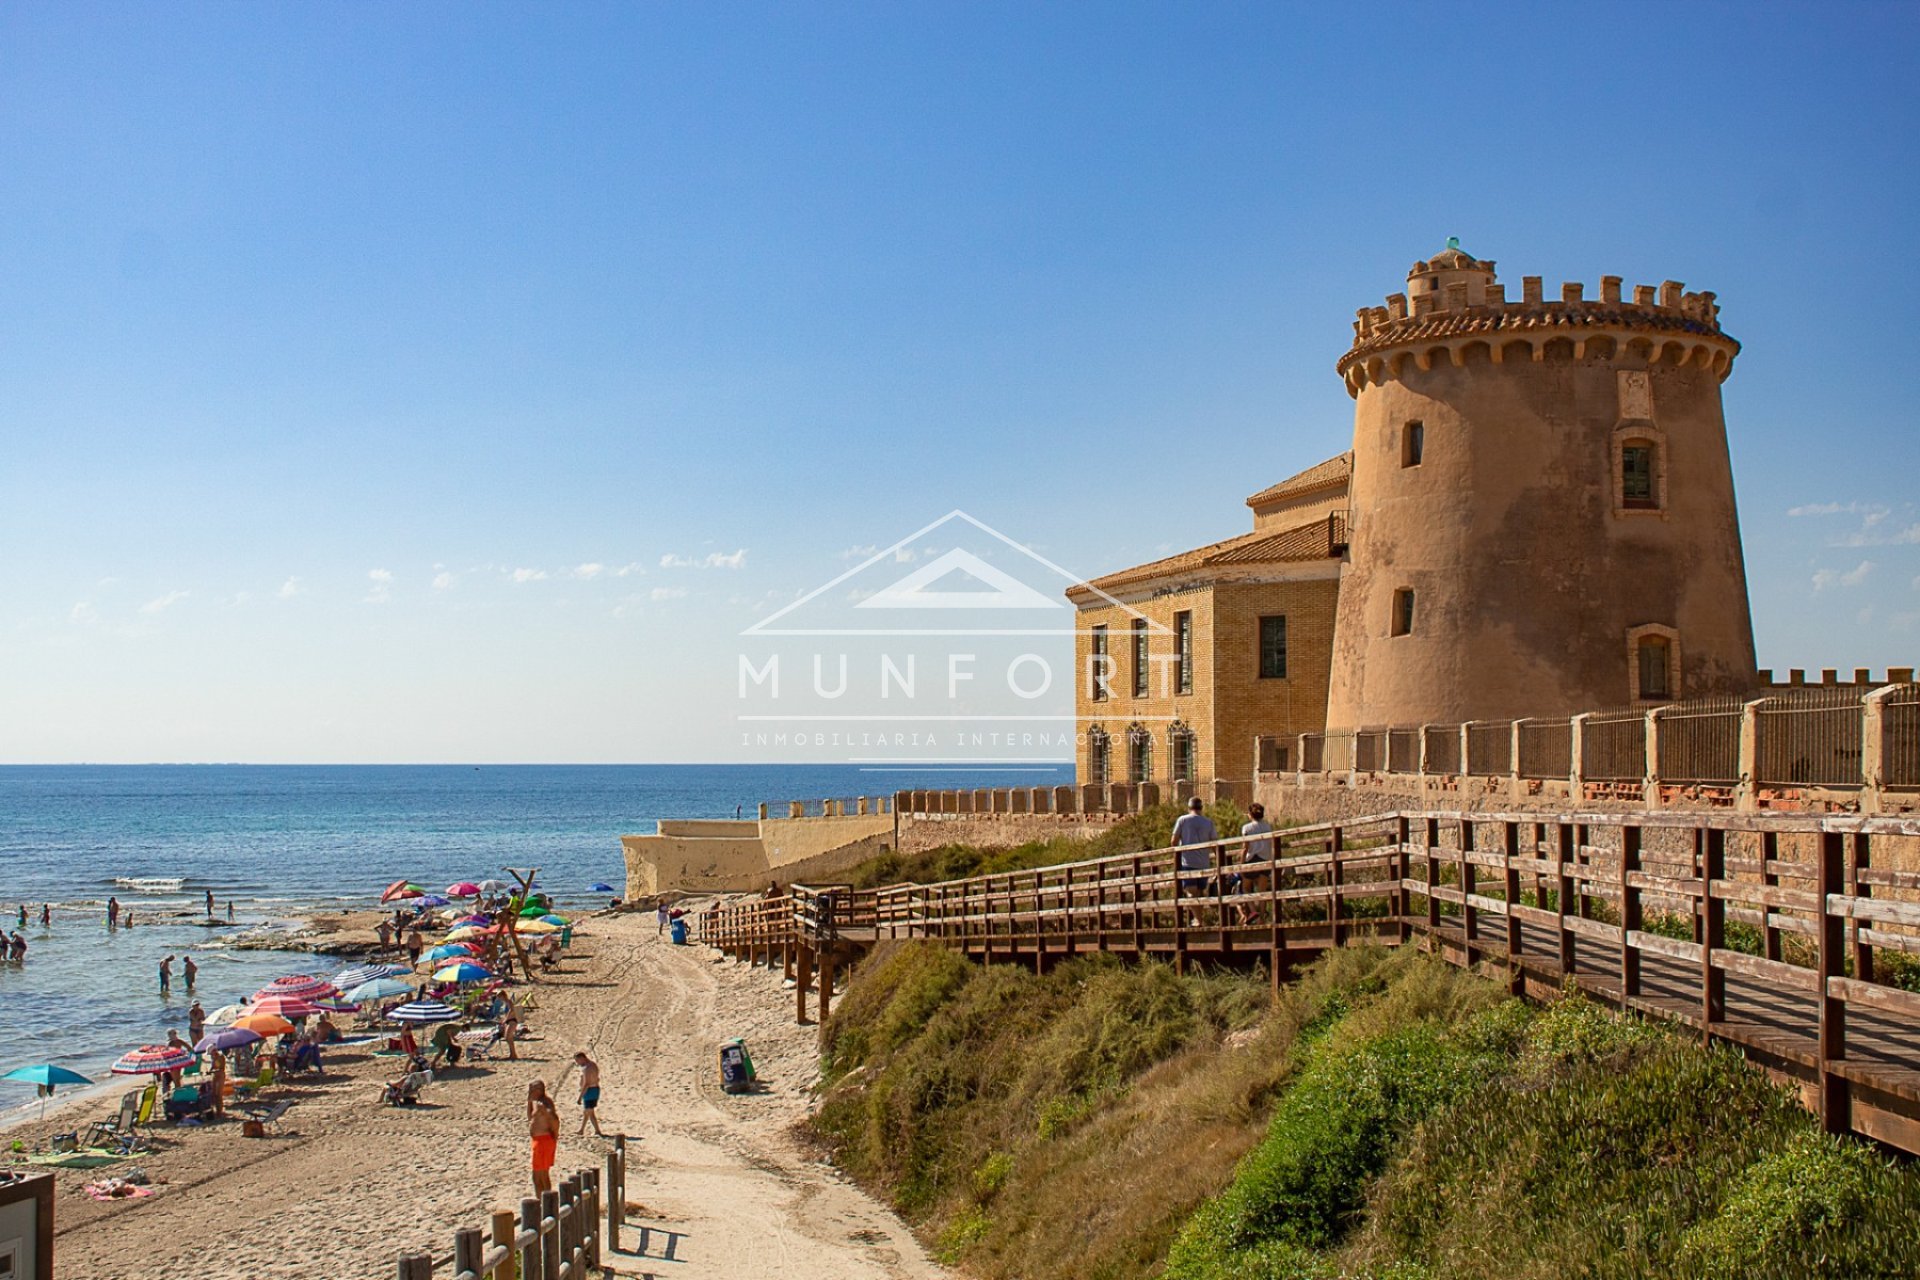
(405, 1091)
(104, 1133)
(478, 1043)
(269, 1116)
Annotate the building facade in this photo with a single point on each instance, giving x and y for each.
(1536, 518)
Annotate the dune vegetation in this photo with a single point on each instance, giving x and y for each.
(1389, 1117)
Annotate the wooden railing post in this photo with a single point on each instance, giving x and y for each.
(1835, 1105)
(1629, 910)
(803, 975)
(1713, 931)
(1862, 952)
(1769, 931)
(550, 1235)
(530, 1249)
(503, 1230)
(416, 1266)
(590, 1216)
(1336, 879)
(1564, 898)
(466, 1252)
(1469, 881)
(1510, 887)
(826, 986)
(1402, 872)
(1433, 879)
(616, 1194)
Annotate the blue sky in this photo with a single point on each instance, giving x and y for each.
(339, 344)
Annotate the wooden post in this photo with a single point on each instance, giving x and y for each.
(1629, 910)
(1862, 952)
(803, 975)
(590, 1216)
(1769, 932)
(1564, 896)
(1835, 1105)
(466, 1252)
(614, 1198)
(503, 1229)
(530, 1227)
(1713, 931)
(1469, 880)
(826, 986)
(1136, 905)
(1402, 872)
(1336, 878)
(416, 1267)
(1516, 978)
(550, 1235)
(1433, 878)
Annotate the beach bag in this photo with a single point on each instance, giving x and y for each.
(736, 1068)
(679, 931)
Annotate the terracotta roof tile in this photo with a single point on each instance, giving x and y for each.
(1324, 475)
(1316, 540)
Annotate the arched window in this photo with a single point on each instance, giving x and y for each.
(1099, 757)
(1184, 749)
(1653, 663)
(1139, 754)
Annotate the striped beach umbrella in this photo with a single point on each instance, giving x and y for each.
(425, 1011)
(284, 1007)
(301, 986)
(347, 979)
(152, 1059)
(379, 989)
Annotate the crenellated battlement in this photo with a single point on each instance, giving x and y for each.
(1455, 309)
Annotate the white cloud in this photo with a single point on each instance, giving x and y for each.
(667, 593)
(1836, 578)
(1868, 536)
(289, 589)
(712, 560)
(627, 570)
(587, 572)
(162, 603)
(442, 580)
(528, 575)
(1838, 509)
(83, 614)
(382, 590)
(1916, 583)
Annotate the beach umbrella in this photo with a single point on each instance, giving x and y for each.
(284, 1006)
(553, 919)
(424, 1011)
(338, 1004)
(400, 889)
(379, 989)
(431, 900)
(465, 889)
(467, 931)
(491, 886)
(152, 1059)
(479, 920)
(533, 911)
(299, 986)
(537, 926)
(347, 979)
(463, 971)
(227, 1038)
(264, 1024)
(46, 1075)
(450, 951)
(227, 1013)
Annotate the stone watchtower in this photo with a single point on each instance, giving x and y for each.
(1542, 505)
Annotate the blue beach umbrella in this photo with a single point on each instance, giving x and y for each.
(463, 972)
(431, 900)
(425, 1011)
(46, 1075)
(450, 951)
(553, 919)
(378, 989)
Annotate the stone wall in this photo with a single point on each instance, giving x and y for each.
(997, 830)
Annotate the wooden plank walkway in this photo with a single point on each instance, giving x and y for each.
(1633, 909)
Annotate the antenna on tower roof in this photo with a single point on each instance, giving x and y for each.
(1453, 242)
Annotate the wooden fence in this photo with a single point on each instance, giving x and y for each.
(1795, 938)
(560, 1236)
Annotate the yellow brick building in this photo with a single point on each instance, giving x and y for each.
(1185, 664)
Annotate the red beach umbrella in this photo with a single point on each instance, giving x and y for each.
(401, 889)
(300, 986)
(152, 1059)
(284, 1007)
(465, 889)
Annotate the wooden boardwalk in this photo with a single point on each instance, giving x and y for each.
(1780, 935)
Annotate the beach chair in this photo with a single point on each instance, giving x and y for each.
(108, 1133)
(149, 1106)
(269, 1116)
(405, 1091)
(478, 1043)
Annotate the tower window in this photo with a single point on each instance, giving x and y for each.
(1413, 443)
(1139, 657)
(1636, 475)
(1100, 666)
(1140, 755)
(1403, 611)
(1655, 656)
(1099, 758)
(1182, 743)
(1273, 648)
(1183, 651)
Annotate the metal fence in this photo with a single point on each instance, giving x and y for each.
(1403, 751)
(1812, 738)
(1613, 746)
(1370, 750)
(1700, 741)
(1490, 748)
(1443, 748)
(1900, 738)
(1546, 749)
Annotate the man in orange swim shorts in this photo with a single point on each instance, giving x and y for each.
(543, 1124)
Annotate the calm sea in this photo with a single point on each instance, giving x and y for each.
(280, 841)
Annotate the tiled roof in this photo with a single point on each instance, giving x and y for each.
(1323, 475)
(1317, 540)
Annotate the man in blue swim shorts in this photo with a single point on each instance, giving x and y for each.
(589, 1093)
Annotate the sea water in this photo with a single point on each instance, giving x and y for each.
(282, 842)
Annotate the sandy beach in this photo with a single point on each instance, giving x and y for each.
(351, 1184)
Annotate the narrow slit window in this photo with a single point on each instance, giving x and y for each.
(1655, 654)
(1100, 666)
(1139, 657)
(1183, 651)
(1413, 444)
(1273, 648)
(1403, 611)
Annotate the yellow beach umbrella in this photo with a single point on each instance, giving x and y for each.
(536, 926)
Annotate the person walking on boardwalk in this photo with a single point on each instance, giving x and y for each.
(589, 1093)
(166, 976)
(543, 1126)
(1195, 834)
(1255, 853)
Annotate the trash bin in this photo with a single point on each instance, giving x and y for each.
(736, 1067)
(679, 931)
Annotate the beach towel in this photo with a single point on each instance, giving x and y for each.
(115, 1189)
